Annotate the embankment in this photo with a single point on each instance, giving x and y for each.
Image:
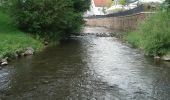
(12, 39)
(122, 23)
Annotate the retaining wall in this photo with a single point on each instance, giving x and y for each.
(122, 23)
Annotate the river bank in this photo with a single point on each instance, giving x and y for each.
(134, 40)
(127, 37)
(15, 42)
(152, 36)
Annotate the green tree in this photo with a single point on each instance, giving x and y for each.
(123, 2)
(81, 5)
(167, 2)
(49, 18)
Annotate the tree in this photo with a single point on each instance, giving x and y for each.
(49, 18)
(81, 5)
(123, 2)
(168, 4)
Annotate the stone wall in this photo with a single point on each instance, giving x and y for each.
(121, 23)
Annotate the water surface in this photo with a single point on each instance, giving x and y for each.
(86, 68)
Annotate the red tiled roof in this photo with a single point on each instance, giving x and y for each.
(102, 3)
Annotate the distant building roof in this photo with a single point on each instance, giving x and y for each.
(102, 3)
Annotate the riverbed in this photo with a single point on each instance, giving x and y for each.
(87, 67)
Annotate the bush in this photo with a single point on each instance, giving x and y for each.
(133, 38)
(12, 39)
(167, 4)
(155, 33)
(123, 2)
(49, 18)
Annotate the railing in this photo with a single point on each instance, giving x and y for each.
(123, 13)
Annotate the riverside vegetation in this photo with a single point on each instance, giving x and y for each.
(13, 39)
(29, 23)
(153, 36)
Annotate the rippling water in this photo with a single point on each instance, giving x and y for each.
(86, 68)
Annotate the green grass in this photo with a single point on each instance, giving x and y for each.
(12, 39)
(153, 35)
(133, 38)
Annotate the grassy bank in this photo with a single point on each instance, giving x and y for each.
(12, 39)
(153, 36)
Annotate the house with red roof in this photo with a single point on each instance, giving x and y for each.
(99, 7)
(102, 3)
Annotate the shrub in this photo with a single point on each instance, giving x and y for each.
(123, 2)
(167, 3)
(155, 33)
(133, 38)
(49, 18)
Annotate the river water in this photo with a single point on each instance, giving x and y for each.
(86, 67)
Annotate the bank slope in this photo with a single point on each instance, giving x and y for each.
(12, 39)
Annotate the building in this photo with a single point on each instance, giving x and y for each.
(99, 7)
(102, 3)
(102, 7)
(130, 4)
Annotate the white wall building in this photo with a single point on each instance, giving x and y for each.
(105, 10)
(96, 10)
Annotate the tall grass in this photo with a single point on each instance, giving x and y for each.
(133, 38)
(153, 35)
(12, 39)
(156, 34)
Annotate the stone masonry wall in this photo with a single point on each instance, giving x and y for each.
(121, 23)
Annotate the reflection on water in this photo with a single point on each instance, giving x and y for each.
(86, 68)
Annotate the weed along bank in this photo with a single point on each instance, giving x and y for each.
(13, 41)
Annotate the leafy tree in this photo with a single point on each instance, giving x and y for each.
(167, 4)
(81, 5)
(49, 18)
(123, 2)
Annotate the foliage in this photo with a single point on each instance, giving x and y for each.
(153, 35)
(123, 2)
(156, 33)
(4, 5)
(81, 5)
(12, 39)
(49, 18)
(166, 5)
(133, 38)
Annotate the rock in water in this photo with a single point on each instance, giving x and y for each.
(166, 58)
(46, 43)
(29, 51)
(19, 51)
(4, 62)
(157, 57)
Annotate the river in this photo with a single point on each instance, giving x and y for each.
(87, 67)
